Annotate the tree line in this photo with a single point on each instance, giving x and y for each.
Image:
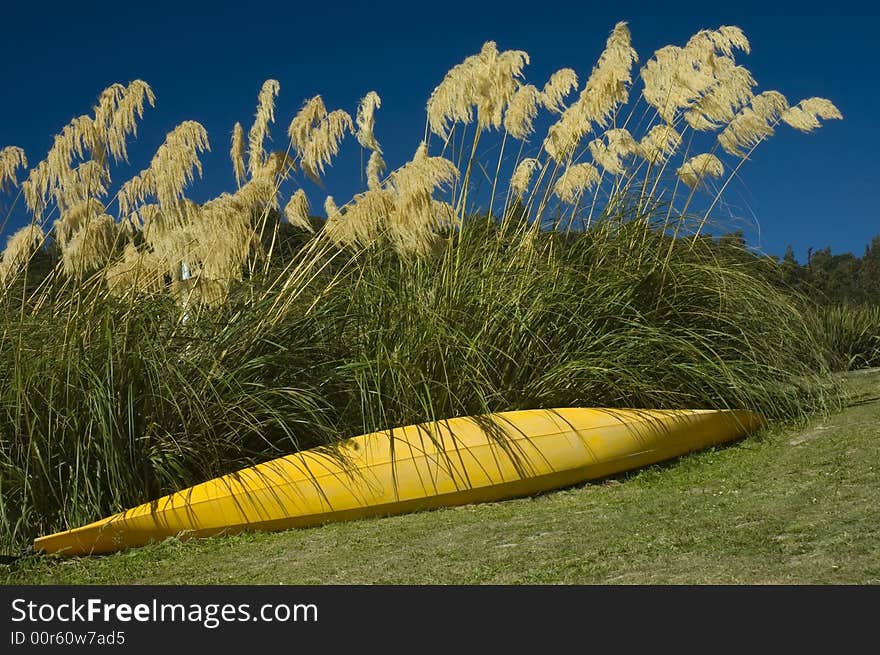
(827, 278)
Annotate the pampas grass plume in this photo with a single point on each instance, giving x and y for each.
(804, 116)
(237, 154)
(698, 168)
(297, 211)
(366, 121)
(11, 159)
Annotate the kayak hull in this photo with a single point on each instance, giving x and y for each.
(439, 464)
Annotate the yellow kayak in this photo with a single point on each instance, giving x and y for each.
(431, 465)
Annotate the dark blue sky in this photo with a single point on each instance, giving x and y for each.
(206, 62)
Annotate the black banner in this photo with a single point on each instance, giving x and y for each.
(398, 618)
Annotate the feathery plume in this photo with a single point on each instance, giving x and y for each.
(215, 240)
(660, 142)
(753, 123)
(73, 142)
(104, 109)
(366, 215)
(20, 248)
(698, 168)
(718, 105)
(297, 211)
(375, 168)
(402, 208)
(663, 89)
(607, 88)
(484, 83)
(176, 161)
(560, 84)
(87, 180)
(259, 130)
(609, 153)
(574, 181)
(413, 224)
(608, 85)
(55, 177)
(136, 272)
(309, 116)
(422, 174)
(174, 165)
(11, 159)
(134, 192)
(330, 207)
(36, 188)
(174, 242)
(90, 247)
(564, 135)
(324, 143)
(224, 237)
(366, 121)
(337, 228)
(260, 194)
(237, 154)
(522, 175)
(279, 165)
(421, 153)
(723, 40)
(444, 216)
(804, 115)
(315, 135)
(75, 218)
(521, 111)
(116, 115)
(675, 78)
(504, 75)
(143, 216)
(52, 175)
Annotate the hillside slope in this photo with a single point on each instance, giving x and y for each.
(789, 506)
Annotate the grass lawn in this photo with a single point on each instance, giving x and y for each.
(795, 506)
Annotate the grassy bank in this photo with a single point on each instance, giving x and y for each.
(793, 506)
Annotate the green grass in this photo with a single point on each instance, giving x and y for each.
(106, 403)
(852, 335)
(793, 505)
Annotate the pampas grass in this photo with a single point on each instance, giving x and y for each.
(806, 114)
(851, 333)
(659, 142)
(521, 113)
(608, 86)
(315, 135)
(297, 211)
(753, 124)
(557, 88)
(574, 181)
(11, 159)
(259, 129)
(696, 169)
(366, 121)
(611, 148)
(522, 176)
(237, 154)
(20, 248)
(482, 84)
(376, 167)
(171, 341)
